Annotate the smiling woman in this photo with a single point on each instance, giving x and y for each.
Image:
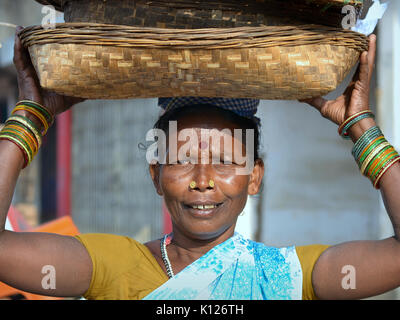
(203, 258)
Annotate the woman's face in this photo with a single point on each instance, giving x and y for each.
(222, 201)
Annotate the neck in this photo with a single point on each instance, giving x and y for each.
(184, 247)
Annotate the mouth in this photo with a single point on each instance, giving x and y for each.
(203, 209)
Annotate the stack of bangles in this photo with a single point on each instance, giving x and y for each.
(372, 152)
(25, 133)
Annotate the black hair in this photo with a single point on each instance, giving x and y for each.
(195, 109)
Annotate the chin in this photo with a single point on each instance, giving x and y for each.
(204, 233)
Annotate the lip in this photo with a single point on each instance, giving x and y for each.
(203, 213)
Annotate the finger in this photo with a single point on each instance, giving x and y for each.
(22, 59)
(364, 69)
(70, 101)
(366, 66)
(317, 102)
(371, 55)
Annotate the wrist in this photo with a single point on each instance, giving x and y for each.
(358, 129)
(31, 117)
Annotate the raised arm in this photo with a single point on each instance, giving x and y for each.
(373, 265)
(23, 255)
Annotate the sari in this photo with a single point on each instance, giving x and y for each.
(237, 269)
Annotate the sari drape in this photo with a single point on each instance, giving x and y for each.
(237, 269)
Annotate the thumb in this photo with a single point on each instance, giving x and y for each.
(364, 68)
(317, 102)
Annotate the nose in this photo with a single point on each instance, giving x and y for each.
(202, 176)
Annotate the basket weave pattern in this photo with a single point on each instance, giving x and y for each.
(115, 62)
(188, 14)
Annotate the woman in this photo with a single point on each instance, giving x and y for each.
(204, 258)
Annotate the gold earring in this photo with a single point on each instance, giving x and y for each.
(192, 185)
(211, 183)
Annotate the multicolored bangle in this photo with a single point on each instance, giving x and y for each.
(364, 140)
(47, 113)
(24, 133)
(27, 123)
(375, 152)
(19, 144)
(374, 155)
(385, 169)
(346, 125)
(36, 113)
(377, 166)
(19, 140)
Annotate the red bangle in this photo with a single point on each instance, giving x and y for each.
(26, 160)
(350, 119)
(376, 183)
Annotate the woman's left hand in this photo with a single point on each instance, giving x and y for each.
(356, 97)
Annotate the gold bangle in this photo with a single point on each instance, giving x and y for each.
(52, 116)
(20, 144)
(384, 171)
(372, 155)
(346, 121)
(36, 113)
(29, 126)
(32, 143)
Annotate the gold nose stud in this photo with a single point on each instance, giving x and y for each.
(192, 185)
(211, 183)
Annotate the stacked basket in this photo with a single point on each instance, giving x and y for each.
(119, 49)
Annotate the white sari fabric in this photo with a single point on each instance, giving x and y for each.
(237, 269)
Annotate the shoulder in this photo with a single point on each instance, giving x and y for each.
(308, 256)
(109, 244)
(310, 252)
(119, 264)
(113, 252)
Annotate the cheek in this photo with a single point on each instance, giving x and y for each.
(234, 186)
(173, 182)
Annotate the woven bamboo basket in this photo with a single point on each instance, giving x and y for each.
(98, 61)
(189, 14)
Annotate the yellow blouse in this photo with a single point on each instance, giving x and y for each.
(124, 269)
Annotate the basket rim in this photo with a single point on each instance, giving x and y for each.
(58, 4)
(209, 38)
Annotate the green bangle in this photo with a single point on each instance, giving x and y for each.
(28, 124)
(16, 138)
(354, 121)
(376, 157)
(371, 149)
(365, 139)
(41, 109)
(379, 166)
(387, 166)
(369, 135)
(16, 135)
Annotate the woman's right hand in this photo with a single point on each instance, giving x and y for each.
(29, 85)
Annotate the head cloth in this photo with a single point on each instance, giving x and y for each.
(243, 107)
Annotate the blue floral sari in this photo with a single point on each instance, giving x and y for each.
(237, 269)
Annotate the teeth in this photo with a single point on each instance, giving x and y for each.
(204, 207)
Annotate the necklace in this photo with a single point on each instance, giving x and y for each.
(164, 254)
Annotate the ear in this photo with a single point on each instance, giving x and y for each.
(155, 176)
(256, 177)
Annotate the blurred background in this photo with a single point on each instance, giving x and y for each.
(91, 169)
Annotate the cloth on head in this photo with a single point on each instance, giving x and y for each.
(243, 107)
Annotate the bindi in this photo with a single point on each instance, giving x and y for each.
(203, 145)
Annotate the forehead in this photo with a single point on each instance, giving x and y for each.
(207, 120)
